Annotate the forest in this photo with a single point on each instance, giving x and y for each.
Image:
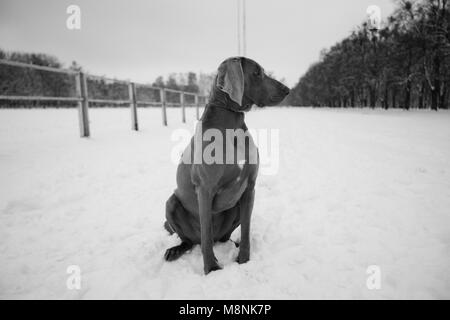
(403, 64)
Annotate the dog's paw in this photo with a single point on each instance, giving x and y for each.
(213, 267)
(172, 254)
(175, 252)
(243, 257)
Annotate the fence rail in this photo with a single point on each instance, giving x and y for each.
(82, 96)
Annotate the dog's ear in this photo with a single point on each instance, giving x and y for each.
(230, 79)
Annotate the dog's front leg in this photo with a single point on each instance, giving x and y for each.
(205, 198)
(246, 213)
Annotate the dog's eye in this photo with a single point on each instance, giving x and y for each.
(256, 73)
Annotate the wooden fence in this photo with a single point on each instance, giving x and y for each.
(83, 100)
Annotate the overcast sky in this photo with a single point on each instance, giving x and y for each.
(141, 39)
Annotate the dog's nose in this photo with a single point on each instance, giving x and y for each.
(286, 90)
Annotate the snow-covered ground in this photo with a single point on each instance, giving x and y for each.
(354, 188)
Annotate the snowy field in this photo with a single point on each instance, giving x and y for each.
(354, 188)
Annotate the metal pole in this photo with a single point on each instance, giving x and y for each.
(239, 26)
(244, 32)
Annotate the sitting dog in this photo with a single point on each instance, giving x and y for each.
(213, 198)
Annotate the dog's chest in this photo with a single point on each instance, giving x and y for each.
(236, 173)
(230, 192)
(242, 147)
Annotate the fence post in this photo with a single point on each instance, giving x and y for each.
(133, 106)
(183, 111)
(162, 94)
(196, 107)
(83, 105)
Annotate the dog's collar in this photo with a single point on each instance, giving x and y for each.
(225, 108)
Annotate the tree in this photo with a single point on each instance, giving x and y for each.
(159, 82)
(405, 64)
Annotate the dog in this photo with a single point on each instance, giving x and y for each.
(213, 198)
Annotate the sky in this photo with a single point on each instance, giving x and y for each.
(139, 40)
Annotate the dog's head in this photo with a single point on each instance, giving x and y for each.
(246, 84)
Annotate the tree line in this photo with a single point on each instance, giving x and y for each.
(403, 64)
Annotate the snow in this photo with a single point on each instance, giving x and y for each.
(354, 188)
